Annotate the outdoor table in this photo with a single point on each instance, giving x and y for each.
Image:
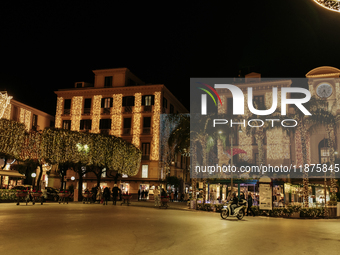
(126, 198)
(22, 195)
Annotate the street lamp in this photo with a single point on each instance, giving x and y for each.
(33, 175)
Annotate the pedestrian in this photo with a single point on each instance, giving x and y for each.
(175, 196)
(172, 196)
(120, 194)
(106, 195)
(156, 196)
(94, 193)
(138, 194)
(250, 203)
(115, 192)
(163, 194)
(143, 194)
(99, 194)
(146, 194)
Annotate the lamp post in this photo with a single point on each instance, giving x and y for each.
(33, 179)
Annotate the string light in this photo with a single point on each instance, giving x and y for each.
(4, 101)
(96, 113)
(155, 127)
(278, 144)
(7, 114)
(76, 109)
(59, 111)
(332, 5)
(116, 115)
(137, 119)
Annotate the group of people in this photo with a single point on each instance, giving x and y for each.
(104, 196)
(235, 203)
(143, 195)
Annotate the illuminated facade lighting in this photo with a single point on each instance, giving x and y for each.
(76, 109)
(155, 127)
(59, 112)
(96, 108)
(4, 102)
(116, 115)
(332, 5)
(137, 119)
(7, 113)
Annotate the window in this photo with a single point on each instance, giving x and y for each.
(79, 85)
(87, 105)
(146, 125)
(145, 171)
(16, 113)
(67, 106)
(107, 102)
(148, 100)
(35, 121)
(165, 103)
(108, 81)
(129, 101)
(105, 124)
(67, 124)
(85, 124)
(324, 151)
(145, 151)
(127, 126)
(172, 109)
(258, 102)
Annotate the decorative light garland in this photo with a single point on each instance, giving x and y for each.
(116, 115)
(76, 109)
(332, 5)
(7, 114)
(59, 112)
(137, 119)
(4, 101)
(278, 144)
(96, 113)
(156, 126)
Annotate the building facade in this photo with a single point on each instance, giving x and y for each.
(119, 104)
(33, 119)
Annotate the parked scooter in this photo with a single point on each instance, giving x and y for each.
(239, 211)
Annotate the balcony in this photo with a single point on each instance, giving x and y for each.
(105, 131)
(127, 131)
(146, 131)
(145, 157)
(147, 108)
(106, 111)
(87, 111)
(67, 111)
(128, 109)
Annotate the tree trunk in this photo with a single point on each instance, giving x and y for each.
(305, 181)
(39, 177)
(80, 183)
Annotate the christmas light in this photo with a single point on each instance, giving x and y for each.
(59, 112)
(76, 109)
(137, 120)
(278, 144)
(155, 127)
(7, 114)
(332, 5)
(116, 115)
(4, 101)
(96, 113)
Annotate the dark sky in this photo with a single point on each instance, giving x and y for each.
(49, 46)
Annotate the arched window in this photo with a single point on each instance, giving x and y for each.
(324, 151)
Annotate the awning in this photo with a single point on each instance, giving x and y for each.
(11, 173)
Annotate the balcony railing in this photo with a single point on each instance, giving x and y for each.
(105, 131)
(148, 108)
(128, 109)
(106, 110)
(146, 130)
(126, 131)
(87, 111)
(145, 157)
(67, 111)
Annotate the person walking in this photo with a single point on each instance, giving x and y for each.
(99, 194)
(176, 195)
(106, 195)
(156, 196)
(138, 195)
(250, 203)
(94, 193)
(172, 196)
(114, 194)
(143, 194)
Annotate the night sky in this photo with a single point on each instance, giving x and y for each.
(49, 46)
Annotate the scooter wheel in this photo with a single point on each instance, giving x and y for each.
(224, 214)
(240, 214)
